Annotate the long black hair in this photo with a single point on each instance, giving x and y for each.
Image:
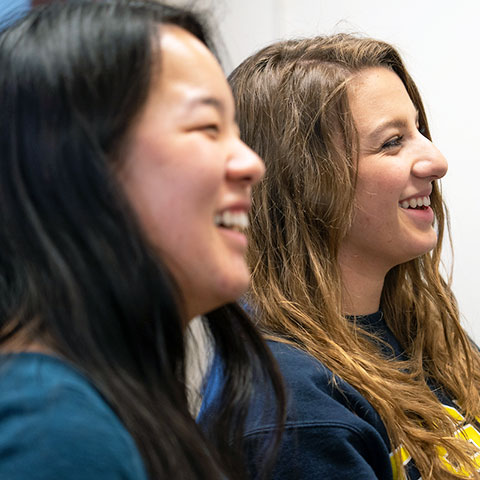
(76, 271)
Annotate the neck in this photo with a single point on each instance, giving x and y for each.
(25, 339)
(33, 347)
(362, 286)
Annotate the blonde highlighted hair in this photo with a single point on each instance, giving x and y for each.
(293, 110)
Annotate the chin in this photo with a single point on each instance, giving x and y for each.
(231, 289)
(224, 291)
(420, 252)
(423, 245)
(235, 293)
(430, 245)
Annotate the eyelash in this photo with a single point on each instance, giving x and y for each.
(211, 126)
(393, 143)
(397, 141)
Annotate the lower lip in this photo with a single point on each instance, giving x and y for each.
(237, 239)
(421, 214)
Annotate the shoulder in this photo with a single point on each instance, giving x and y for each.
(331, 427)
(331, 431)
(300, 368)
(55, 424)
(316, 395)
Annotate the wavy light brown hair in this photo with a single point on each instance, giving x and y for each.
(293, 110)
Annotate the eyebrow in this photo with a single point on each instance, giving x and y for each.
(385, 126)
(208, 101)
(395, 123)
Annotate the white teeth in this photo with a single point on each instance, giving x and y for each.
(229, 219)
(416, 202)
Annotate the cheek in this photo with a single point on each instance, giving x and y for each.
(376, 201)
(179, 219)
(174, 189)
(382, 185)
(172, 195)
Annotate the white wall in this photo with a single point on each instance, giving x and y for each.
(439, 42)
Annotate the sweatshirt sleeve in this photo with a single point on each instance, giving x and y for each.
(333, 452)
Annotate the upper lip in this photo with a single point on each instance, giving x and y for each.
(423, 193)
(238, 206)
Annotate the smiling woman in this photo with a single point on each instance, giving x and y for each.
(190, 110)
(344, 247)
(396, 164)
(121, 163)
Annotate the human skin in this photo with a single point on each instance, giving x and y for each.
(396, 165)
(189, 176)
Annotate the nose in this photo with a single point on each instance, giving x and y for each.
(244, 165)
(431, 163)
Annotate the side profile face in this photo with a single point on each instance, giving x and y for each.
(189, 176)
(393, 222)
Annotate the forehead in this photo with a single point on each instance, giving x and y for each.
(378, 92)
(186, 63)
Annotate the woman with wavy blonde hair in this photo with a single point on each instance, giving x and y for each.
(345, 246)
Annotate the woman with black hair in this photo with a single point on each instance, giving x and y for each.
(124, 192)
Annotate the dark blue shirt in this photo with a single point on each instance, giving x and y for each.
(54, 425)
(332, 432)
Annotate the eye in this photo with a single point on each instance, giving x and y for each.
(212, 129)
(393, 143)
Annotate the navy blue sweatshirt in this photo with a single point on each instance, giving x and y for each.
(332, 431)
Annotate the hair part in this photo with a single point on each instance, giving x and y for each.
(293, 110)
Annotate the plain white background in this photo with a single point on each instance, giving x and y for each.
(440, 44)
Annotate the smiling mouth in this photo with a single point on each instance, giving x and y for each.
(419, 203)
(237, 221)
